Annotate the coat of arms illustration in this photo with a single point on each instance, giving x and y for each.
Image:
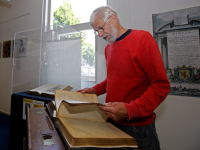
(184, 73)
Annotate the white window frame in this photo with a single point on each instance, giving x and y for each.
(86, 26)
(80, 27)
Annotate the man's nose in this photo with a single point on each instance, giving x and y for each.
(100, 33)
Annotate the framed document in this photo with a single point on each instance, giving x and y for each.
(20, 47)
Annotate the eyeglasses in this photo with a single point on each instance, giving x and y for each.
(101, 29)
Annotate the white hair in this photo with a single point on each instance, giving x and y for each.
(103, 12)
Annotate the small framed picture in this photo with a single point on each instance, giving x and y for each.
(20, 47)
(6, 48)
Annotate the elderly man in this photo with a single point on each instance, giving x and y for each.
(136, 80)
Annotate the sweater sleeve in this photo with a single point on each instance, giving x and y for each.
(101, 87)
(150, 61)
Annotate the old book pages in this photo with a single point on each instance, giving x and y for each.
(84, 133)
(43, 88)
(75, 98)
(48, 90)
(84, 124)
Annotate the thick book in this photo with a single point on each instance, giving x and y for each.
(82, 124)
(48, 90)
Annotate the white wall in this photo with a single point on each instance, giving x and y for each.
(22, 15)
(177, 117)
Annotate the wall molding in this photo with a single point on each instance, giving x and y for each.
(15, 18)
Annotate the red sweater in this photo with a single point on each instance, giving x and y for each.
(135, 76)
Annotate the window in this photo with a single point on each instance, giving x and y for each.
(81, 9)
(76, 13)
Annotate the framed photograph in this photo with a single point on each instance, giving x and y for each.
(0, 48)
(20, 47)
(178, 36)
(6, 49)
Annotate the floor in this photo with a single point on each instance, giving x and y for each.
(4, 131)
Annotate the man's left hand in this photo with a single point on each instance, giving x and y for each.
(115, 110)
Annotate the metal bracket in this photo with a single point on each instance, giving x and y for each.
(47, 139)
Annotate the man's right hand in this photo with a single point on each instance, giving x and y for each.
(87, 90)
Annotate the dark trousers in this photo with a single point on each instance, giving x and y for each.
(145, 136)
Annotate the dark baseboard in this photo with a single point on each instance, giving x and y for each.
(4, 113)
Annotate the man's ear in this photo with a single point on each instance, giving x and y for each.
(114, 18)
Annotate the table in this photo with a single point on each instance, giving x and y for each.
(18, 126)
(42, 134)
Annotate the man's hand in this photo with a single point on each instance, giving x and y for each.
(87, 90)
(115, 110)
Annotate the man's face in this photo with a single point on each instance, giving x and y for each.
(106, 30)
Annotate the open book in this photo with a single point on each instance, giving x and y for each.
(83, 124)
(48, 90)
